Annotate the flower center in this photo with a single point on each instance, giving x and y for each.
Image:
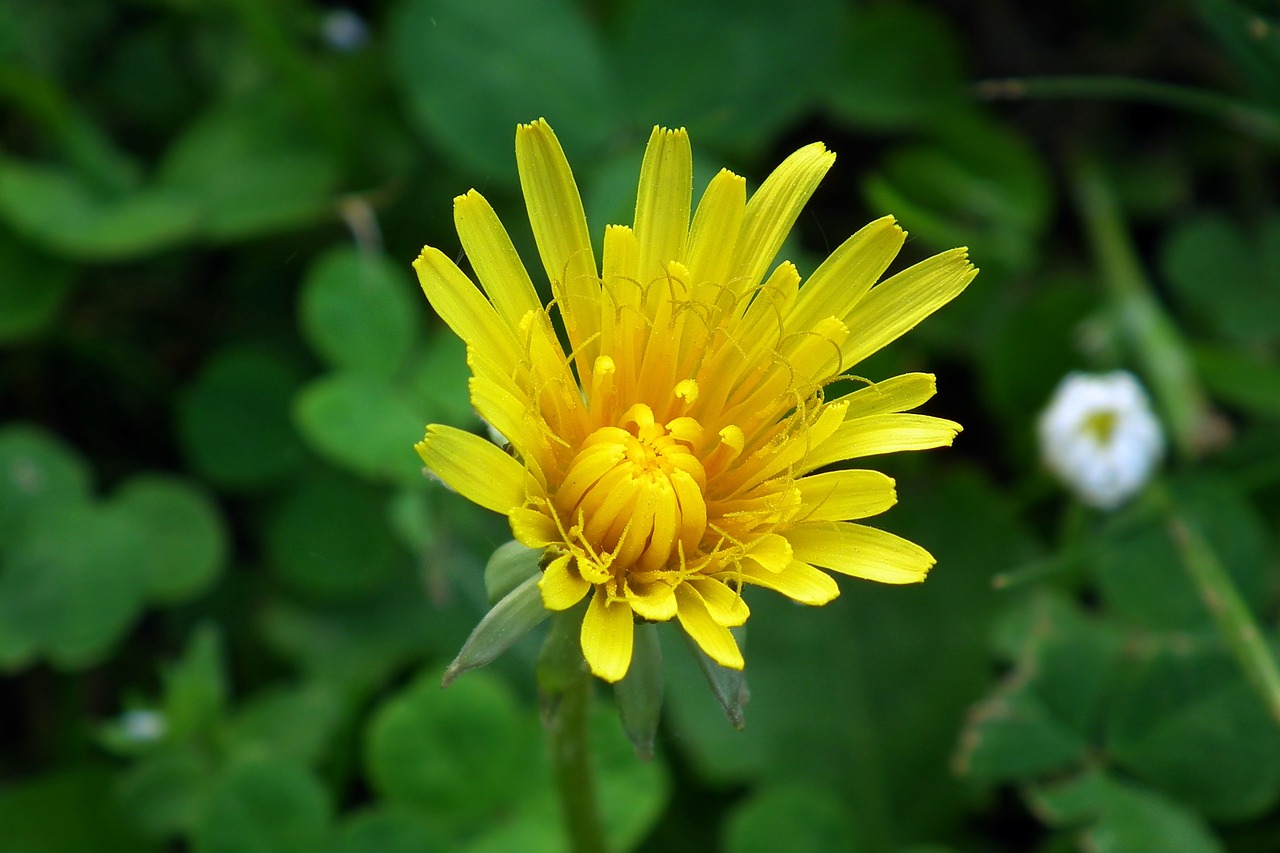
(1100, 425)
(634, 494)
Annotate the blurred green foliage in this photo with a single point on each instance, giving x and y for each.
(227, 594)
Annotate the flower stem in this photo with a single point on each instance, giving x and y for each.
(1224, 603)
(1249, 118)
(1152, 335)
(568, 727)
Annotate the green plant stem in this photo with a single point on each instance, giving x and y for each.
(1252, 119)
(1224, 603)
(568, 726)
(1154, 338)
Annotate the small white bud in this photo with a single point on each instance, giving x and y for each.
(344, 30)
(1100, 437)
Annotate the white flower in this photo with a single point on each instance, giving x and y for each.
(344, 30)
(1100, 437)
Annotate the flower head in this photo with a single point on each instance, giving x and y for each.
(1099, 436)
(672, 454)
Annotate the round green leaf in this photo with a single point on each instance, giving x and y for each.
(1192, 725)
(388, 831)
(1135, 818)
(792, 818)
(66, 812)
(331, 539)
(363, 424)
(38, 474)
(456, 754)
(251, 168)
(234, 423)
(264, 807)
(358, 310)
(520, 60)
(882, 79)
(56, 209)
(720, 67)
(71, 587)
(33, 287)
(186, 542)
(439, 382)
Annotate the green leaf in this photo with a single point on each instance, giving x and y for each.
(722, 68)
(438, 382)
(186, 541)
(292, 723)
(71, 587)
(56, 209)
(1225, 276)
(264, 807)
(383, 830)
(38, 475)
(233, 420)
(33, 287)
(195, 687)
(1140, 572)
(1249, 40)
(520, 61)
(1190, 724)
(1135, 818)
(363, 424)
(880, 79)
(978, 185)
(330, 539)
(457, 754)
(66, 812)
(358, 310)
(165, 792)
(1241, 380)
(795, 818)
(1013, 736)
(250, 168)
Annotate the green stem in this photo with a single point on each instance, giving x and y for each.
(1249, 118)
(1228, 609)
(1154, 338)
(568, 726)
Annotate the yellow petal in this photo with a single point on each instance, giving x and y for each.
(773, 209)
(533, 528)
(608, 633)
(724, 604)
(845, 277)
(460, 304)
(900, 302)
(712, 637)
(662, 201)
(653, 601)
(898, 394)
(878, 434)
(561, 586)
(713, 237)
(860, 551)
(798, 581)
(559, 228)
(494, 258)
(476, 469)
(512, 416)
(845, 495)
(771, 551)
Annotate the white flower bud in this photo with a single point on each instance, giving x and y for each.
(1100, 437)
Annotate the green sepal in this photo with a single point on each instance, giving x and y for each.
(560, 662)
(729, 686)
(639, 694)
(519, 612)
(509, 566)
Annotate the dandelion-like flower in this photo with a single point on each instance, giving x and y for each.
(674, 453)
(1100, 437)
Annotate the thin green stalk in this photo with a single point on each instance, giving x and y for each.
(568, 726)
(1153, 337)
(1228, 609)
(1249, 118)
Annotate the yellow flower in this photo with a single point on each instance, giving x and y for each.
(670, 456)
